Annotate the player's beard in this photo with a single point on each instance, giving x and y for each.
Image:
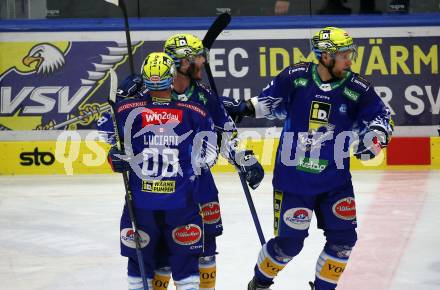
(339, 74)
(195, 72)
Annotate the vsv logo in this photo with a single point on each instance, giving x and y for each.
(37, 158)
(44, 99)
(161, 116)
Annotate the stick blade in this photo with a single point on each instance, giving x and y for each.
(113, 86)
(114, 2)
(220, 23)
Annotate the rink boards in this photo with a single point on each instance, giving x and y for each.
(73, 156)
(400, 55)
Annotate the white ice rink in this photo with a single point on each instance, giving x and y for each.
(62, 233)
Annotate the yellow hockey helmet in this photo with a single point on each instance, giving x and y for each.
(184, 45)
(332, 40)
(158, 71)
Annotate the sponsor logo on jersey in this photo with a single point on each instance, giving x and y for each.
(131, 106)
(296, 69)
(187, 235)
(343, 109)
(278, 200)
(211, 212)
(300, 82)
(127, 238)
(298, 218)
(356, 81)
(345, 208)
(319, 114)
(351, 95)
(312, 165)
(156, 116)
(159, 186)
(202, 98)
(192, 107)
(322, 97)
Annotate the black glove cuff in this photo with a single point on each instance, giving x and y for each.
(250, 110)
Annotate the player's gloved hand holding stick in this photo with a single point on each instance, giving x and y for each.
(237, 109)
(371, 142)
(247, 164)
(130, 86)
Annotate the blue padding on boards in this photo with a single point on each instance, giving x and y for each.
(203, 23)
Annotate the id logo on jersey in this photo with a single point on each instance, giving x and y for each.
(156, 116)
(319, 115)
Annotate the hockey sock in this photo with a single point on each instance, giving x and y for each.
(271, 260)
(328, 271)
(208, 272)
(333, 259)
(189, 283)
(135, 283)
(161, 278)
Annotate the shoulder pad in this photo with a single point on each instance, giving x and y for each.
(299, 68)
(359, 83)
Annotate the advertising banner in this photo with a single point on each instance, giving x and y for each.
(60, 81)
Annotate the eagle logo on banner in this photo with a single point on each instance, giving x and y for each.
(56, 85)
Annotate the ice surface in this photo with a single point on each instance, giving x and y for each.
(62, 232)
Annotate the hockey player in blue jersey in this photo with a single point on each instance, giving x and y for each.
(168, 144)
(189, 55)
(325, 107)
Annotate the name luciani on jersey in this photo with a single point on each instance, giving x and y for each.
(162, 140)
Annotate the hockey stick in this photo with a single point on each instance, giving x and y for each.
(128, 196)
(214, 31)
(121, 4)
(120, 143)
(219, 24)
(102, 108)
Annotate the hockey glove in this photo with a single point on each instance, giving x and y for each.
(248, 165)
(371, 143)
(130, 86)
(117, 164)
(237, 109)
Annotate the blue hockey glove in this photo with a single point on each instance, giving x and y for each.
(130, 86)
(247, 164)
(237, 109)
(371, 143)
(117, 164)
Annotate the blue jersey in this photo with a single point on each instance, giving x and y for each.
(167, 143)
(319, 119)
(206, 191)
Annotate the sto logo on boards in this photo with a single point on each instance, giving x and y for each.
(37, 158)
